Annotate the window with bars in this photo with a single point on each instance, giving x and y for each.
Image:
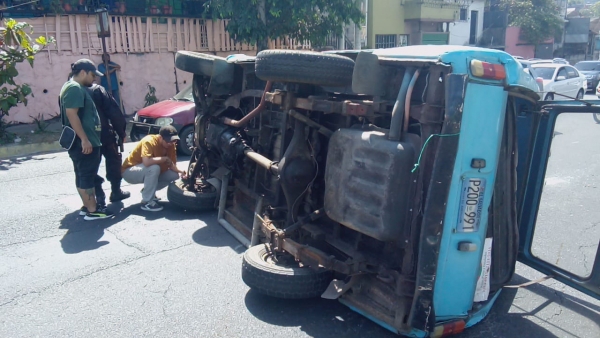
(390, 40)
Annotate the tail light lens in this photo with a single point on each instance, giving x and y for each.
(540, 83)
(448, 329)
(487, 70)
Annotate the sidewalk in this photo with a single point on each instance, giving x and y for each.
(33, 141)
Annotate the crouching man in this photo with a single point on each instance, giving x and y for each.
(153, 162)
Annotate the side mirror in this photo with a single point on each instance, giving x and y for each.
(561, 78)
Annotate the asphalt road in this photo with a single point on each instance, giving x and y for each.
(177, 274)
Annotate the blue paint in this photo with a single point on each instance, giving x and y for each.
(480, 137)
(480, 314)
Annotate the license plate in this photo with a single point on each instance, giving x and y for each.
(471, 204)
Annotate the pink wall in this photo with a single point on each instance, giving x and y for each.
(516, 47)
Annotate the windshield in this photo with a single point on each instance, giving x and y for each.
(544, 73)
(185, 94)
(587, 66)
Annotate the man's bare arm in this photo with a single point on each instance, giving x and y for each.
(78, 128)
(148, 161)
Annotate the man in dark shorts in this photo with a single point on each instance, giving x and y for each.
(113, 125)
(79, 112)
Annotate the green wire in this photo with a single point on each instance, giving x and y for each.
(425, 145)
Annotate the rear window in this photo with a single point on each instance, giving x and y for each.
(544, 73)
(588, 66)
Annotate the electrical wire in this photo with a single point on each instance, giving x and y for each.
(425, 145)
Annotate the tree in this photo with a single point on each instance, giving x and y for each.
(16, 46)
(592, 12)
(539, 19)
(255, 21)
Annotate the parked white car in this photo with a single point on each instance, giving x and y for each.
(598, 91)
(558, 81)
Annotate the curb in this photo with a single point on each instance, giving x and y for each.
(18, 150)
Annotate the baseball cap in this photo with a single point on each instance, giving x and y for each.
(87, 65)
(168, 133)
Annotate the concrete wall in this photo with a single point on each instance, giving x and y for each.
(47, 77)
(515, 46)
(384, 17)
(460, 30)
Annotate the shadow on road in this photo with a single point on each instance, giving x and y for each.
(325, 318)
(10, 163)
(214, 235)
(85, 235)
(501, 322)
(317, 317)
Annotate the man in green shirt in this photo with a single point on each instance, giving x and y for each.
(79, 112)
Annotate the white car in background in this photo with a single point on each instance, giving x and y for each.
(598, 90)
(558, 81)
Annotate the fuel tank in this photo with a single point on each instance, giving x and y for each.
(368, 181)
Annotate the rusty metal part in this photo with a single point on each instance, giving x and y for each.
(222, 203)
(346, 107)
(256, 225)
(252, 114)
(304, 220)
(314, 257)
(262, 161)
(303, 118)
(234, 100)
(411, 87)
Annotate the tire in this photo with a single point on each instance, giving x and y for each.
(186, 142)
(282, 281)
(304, 67)
(580, 94)
(189, 200)
(195, 63)
(596, 117)
(549, 97)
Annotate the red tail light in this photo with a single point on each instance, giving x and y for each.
(487, 70)
(540, 83)
(448, 329)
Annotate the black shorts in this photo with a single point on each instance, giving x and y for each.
(86, 166)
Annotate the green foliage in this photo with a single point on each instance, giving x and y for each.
(539, 19)
(41, 123)
(591, 12)
(310, 20)
(16, 46)
(150, 97)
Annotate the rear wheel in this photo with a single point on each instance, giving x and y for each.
(304, 67)
(580, 94)
(596, 117)
(549, 97)
(280, 276)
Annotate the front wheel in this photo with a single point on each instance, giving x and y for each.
(549, 97)
(596, 117)
(580, 95)
(280, 276)
(179, 195)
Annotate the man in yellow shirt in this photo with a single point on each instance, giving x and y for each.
(153, 162)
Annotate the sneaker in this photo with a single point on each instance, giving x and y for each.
(119, 196)
(83, 211)
(98, 214)
(152, 206)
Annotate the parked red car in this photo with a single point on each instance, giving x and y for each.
(177, 111)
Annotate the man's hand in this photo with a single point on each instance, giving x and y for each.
(87, 146)
(183, 175)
